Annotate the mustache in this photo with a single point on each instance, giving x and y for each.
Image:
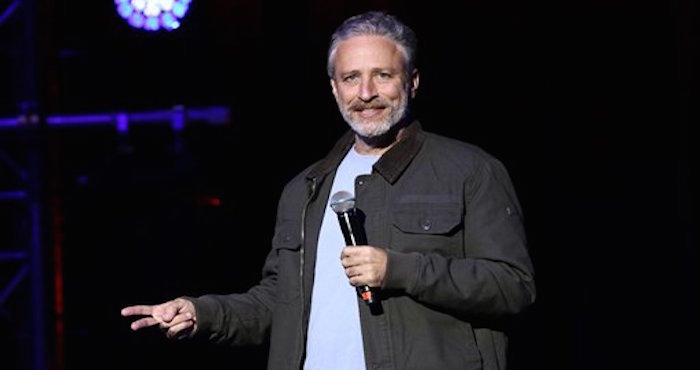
(360, 105)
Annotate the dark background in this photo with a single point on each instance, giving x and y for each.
(589, 105)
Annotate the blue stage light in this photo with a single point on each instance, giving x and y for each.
(153, 15)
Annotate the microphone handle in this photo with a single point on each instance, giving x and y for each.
(354, 235)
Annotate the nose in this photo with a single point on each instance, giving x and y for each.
(368, 90)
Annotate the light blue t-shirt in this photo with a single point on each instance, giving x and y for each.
(334, 338)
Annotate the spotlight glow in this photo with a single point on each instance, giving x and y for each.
(153, 15)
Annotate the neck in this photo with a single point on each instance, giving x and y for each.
(364, 148)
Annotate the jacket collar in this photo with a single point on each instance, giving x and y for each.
(392, 163)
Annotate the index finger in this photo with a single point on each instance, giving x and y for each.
(137, 310)
(348, 251)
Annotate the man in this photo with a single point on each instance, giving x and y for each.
(446, 258)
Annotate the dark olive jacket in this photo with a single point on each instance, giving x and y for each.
(458, 263)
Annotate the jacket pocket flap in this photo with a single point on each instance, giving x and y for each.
(287, 236)
(428, 218)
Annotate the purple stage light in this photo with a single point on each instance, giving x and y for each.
(153, 15)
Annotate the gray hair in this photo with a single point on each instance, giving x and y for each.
(379, 24)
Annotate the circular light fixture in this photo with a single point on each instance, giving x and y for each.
(153, 15)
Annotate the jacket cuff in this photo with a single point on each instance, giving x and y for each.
(205, 312)
(401, 270)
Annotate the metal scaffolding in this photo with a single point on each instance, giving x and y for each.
(28, 248)
(30, 221)
(21, 252)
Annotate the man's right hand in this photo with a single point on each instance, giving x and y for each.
(176, 318)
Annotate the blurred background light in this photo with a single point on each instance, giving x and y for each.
(153, 15)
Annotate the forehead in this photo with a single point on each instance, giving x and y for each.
(368, 51)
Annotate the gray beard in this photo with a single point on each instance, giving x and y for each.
(371, 130)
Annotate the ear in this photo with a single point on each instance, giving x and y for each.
(415, 79)
(334, 90)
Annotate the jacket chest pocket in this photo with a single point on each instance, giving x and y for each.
(286, 246)
(428, 228)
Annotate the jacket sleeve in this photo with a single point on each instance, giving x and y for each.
(242, 318)
(246, 318)
(495, 275)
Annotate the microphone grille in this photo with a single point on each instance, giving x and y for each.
(342, 201)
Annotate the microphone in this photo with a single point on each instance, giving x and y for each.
(343, 204)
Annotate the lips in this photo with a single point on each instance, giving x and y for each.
(368, 109)
(369, 112)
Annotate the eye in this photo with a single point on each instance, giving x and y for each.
(350, 78)
(384, 75)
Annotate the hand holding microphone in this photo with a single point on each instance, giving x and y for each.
(343, 204)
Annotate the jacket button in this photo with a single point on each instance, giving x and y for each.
(287, 238)
(426, 225)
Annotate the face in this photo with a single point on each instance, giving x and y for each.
(370, 84)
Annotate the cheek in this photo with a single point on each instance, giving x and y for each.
(391, 92)
(344, 96)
